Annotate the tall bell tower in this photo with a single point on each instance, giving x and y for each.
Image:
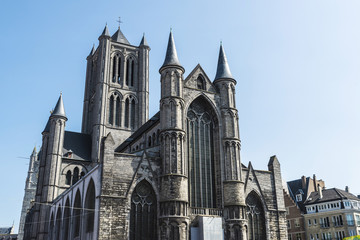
(116, 95)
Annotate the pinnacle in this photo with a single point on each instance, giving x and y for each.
(171, 54)
(223, 70)
(105, 32)
(92, 50)
(143, 41)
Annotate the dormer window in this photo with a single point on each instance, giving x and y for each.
(298, 197)
(200, 82)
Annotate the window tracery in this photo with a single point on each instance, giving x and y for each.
(200, 156)
(143, 212)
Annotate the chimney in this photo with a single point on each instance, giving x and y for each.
(303, 182)
(315, 183)
(347, 189)
(320, 192)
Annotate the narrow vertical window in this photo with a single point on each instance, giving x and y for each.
(76, 175)
(200, 83)
(68, 178)
(127, 112)
(127, 72)
(132, 74)
(133, 114)
(111, 110)
(117, 112)
(119, 70)
(114, 69)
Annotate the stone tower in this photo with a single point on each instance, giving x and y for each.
(174, 182)
(49, 169)
(30, 190)
(116, 95)
(233, 184)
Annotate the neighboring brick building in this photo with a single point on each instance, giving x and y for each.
(174, 176)
(295, 195)
(332, 214)
(294, 219)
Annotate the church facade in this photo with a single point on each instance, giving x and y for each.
(177, 175)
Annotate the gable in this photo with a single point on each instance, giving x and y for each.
(191, 80)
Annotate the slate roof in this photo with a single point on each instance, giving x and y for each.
(59, 108)
(138, 133)
(171, 58)
(223, 70)
(331, 194)
(119, 37)
(6, 230)
(79, 144)
(294, 187)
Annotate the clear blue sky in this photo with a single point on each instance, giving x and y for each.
(297, 64)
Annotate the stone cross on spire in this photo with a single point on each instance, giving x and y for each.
(119, 21)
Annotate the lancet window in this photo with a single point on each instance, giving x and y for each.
(130, 112)
(130, 72)
(143, 212)
(256, 217)
(116, 69)
(200, 128)
(115, 109)
(200, 82)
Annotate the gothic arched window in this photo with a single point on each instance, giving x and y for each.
(127, 112)
(114, 69)
(256, 217)
(200, 82)
(200, 132)
(132, 119)
(143, 212)
(75, 175)
(128, 62)
(132, 73)
(111, 110)
(119, 70)
(68, 178)
(117, 112)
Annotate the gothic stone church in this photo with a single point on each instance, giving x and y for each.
(177, 175)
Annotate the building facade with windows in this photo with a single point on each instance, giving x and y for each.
(177, 175)
(296, 193)
(332, 214)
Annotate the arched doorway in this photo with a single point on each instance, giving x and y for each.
(143, 220)
(256, 217)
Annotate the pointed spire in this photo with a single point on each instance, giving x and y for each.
(223, 70)
(171, 54)
(143, 41)
(59, 110)
(106, 32)
(119, 37)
